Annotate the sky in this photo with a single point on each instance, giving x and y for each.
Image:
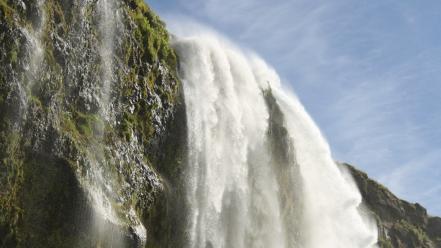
(367, 71)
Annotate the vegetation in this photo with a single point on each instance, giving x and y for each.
(6, 11)
(414, 234)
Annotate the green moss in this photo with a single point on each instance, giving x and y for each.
(151, 31)
(127, 126)
(385, 243)
(6, 11)
(36, 101)
(82, 126)
(88, 124)
(68, 125)
(13, 56)
(140, 122)
(412, 231)
(11, 162)
(151, 44)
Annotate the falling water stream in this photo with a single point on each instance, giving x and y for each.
(260, 174)
(36, 51)
(100, 182)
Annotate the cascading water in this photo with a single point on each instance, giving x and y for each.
(109, 18)
(35, 48)
(97, 185)
(259, 173)
(100, 182)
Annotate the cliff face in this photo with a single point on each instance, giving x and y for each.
(88, 96)
(401, 224)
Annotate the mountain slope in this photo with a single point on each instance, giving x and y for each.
(401, 224)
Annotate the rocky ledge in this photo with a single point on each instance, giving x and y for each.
(401, 224)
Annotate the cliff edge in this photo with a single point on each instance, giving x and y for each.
(401, 224)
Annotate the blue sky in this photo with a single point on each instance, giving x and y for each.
(368, 72)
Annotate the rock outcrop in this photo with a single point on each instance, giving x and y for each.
(401, 224)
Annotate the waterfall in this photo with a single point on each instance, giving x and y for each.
(100, 181)
(109, 18)
(35, 57)
(97, 185)
(260, 173)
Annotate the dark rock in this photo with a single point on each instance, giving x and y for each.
(401, 224)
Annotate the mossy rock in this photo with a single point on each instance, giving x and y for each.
(401, 224)
(53, 128)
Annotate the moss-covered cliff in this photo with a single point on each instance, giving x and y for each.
(88, 96)
(401, 224)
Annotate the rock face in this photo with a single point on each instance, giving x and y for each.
(401, 224)
(88, 96)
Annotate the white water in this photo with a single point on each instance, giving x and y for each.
(36, 56)
(97, 185)
(239, 192)
(109, 21)
(100, 188)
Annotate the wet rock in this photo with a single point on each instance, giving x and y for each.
(77, 119)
